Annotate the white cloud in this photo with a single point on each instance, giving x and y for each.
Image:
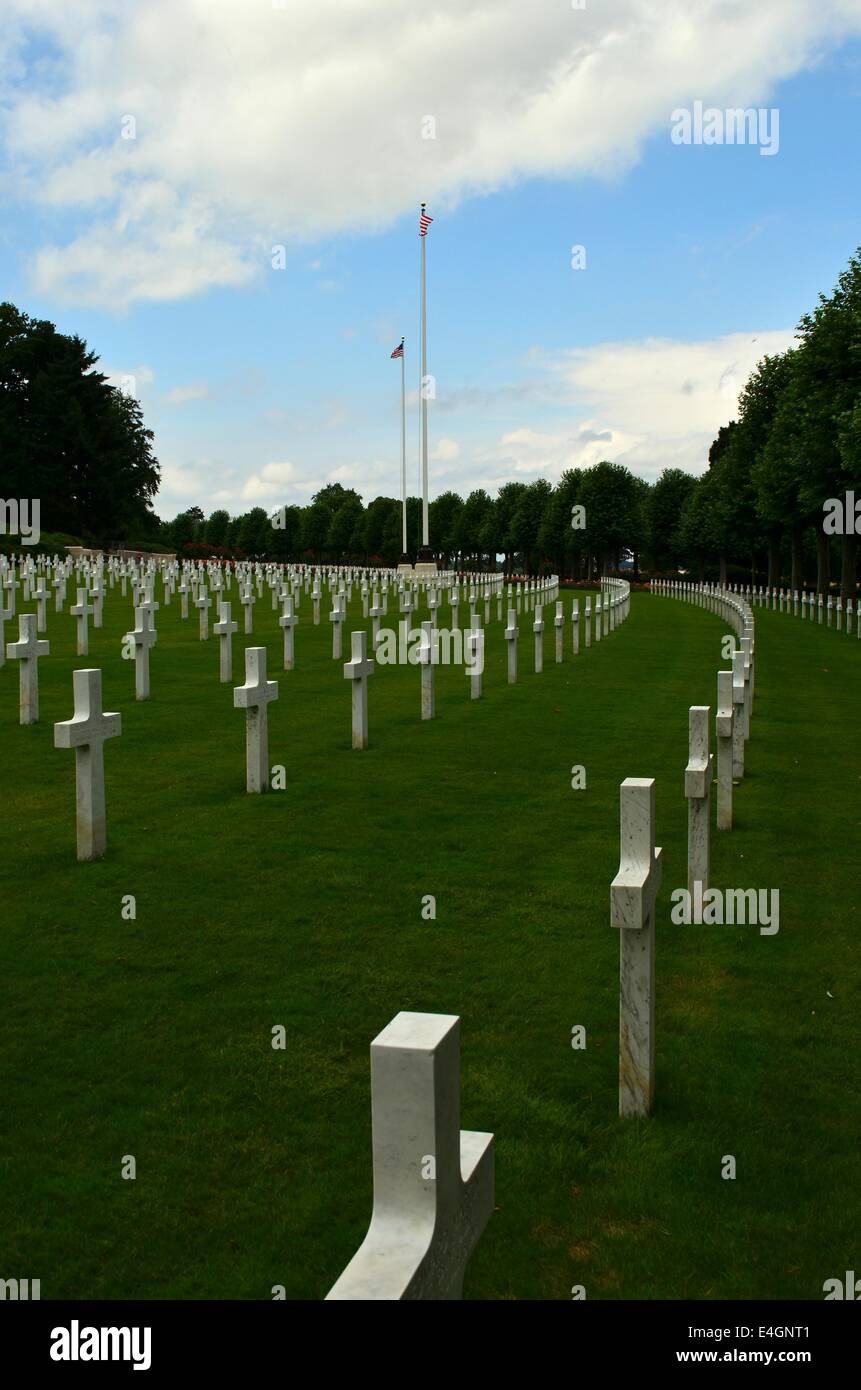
(130, 380)
(181, 395)
(652, 404)
(663, 400)
(272, 481)
(445, 450)
(256, 124)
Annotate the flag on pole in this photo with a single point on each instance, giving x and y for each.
(399, 350)
(424, 222)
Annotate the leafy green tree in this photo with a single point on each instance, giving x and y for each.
(526, 522)
(344, 529)
(182, 530)
(286, 535)
(255, 533)
(382, 529)
(701, 526)
(443, 518)
(217, 528)
(68, 437)
(609, 494)
(510, 496)
(469, 524)
(315, 528)
(664, 514)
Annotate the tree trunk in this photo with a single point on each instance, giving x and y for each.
(797, 577)
(823, 562)
(847, 575)
(636, 566)
(722, 571)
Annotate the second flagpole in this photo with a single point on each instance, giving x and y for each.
(405, 559)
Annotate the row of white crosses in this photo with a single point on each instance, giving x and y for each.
(208, 581)
(634, 889)
(140, 640)
(817, 608)
(360, 667)
(255, 695)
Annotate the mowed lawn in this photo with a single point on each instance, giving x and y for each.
(302, 908)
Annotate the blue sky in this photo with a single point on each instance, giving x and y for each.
(262, 384)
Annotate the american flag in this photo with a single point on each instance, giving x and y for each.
(424, 222)
(399, 350)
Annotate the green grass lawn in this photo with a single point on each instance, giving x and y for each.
(303, 908)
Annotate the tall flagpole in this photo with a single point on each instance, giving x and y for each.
(424, 556)
(404, 555)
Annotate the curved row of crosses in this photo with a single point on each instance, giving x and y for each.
(425, 1223)
(194, 583)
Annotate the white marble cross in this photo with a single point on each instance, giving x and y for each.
(144, 637)
(224, 630)
(538, 629)
(41, 594)
(427, 661)
(27, 650)
(598, 619)
(86, 732)
(559, 624)
(182, 590)
(4, 616)
(254, 697)
(148, 606)
(288, 621)
(698, 786)
(248, 601)
(474, 648)
(587, 621)
(98, 597)
(511, 639)
(575, 626)
(357, 670)
(376, 614)
(82, 612)
(203, 603)
(433, 1181)
(433, 604)
(746, 644)
(738, 699)
(11, 585)
(336, 618)
(724, 731)
(632, 897)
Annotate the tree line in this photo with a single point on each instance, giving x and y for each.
(755, 514)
